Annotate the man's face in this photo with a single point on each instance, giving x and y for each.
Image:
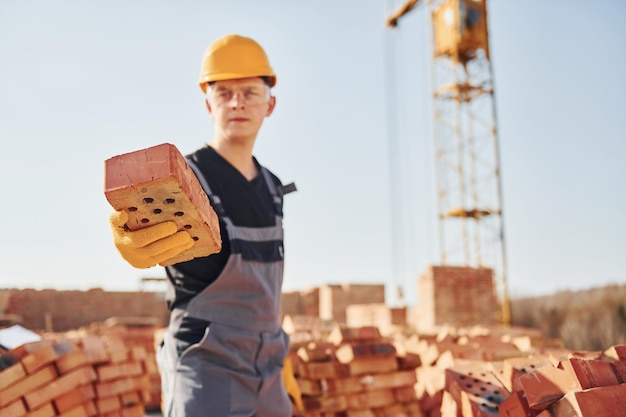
(239, 107)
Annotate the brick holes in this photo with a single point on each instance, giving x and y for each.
(489, 408)
(493, 397)
(150, 200)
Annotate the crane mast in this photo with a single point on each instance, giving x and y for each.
(467, 161)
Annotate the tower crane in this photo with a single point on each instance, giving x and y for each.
(467, 160)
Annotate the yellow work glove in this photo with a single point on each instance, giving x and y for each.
(148, 246)
(291, 385)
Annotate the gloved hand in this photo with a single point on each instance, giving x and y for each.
(291, 386)
(148, 246)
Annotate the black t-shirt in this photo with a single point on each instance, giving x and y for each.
(246, 203)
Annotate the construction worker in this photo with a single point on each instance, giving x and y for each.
(224, 348)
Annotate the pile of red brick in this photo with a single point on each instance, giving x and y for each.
(74, 377)
(573, 385)
(473, 372)
(356, 373)
(136, 333)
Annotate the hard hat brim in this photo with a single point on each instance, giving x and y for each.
(232, 76)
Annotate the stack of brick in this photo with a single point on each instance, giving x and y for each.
(581, 384)
(141, 333)
(356, 373)
(303, 329)
(389, 320)
(471, 390)
(505, 372)
(79, 377)
(478, 347)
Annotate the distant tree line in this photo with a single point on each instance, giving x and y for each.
(592, 319)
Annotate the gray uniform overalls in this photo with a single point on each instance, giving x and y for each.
(235, 370)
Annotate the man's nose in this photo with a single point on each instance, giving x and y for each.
(237, 98)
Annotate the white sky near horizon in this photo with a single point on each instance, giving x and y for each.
(83, 81)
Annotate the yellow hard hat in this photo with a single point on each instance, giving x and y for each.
(234, 56)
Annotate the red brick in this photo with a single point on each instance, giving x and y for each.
(372, 365)
(60, 386)
(315, 352)
(107, 405)
(409, 361)
(405, 394)
(46, 410)
(620, 370)
(616, 352)
(15, 409)
(546, 385)
(28, 384)
(80, 395)
(328, 404)
(74, 359)
(586, 354)
(130, 398)
(121, 370)
(27, 348)
(312, 386)
(134, 411)
(473, 405)
(44, 356)
(375, 381)
(591, 373)
(117, 350)
(515, 406)
(391, 380)
(594, 402)
(370, 399)
(121, 386)
(430, 380)
(11, 375)
(80, 411)
(151, 365)
(448, 407)
(492, 348)
(138, 353)
(394, 410)
(429, 402)
(413, 410)
(350, 351)
(534, 343)
(513, 368)
(342, 334)
(473, 379)
(322, 370)
(161, 173)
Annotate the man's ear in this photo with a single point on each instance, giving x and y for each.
(208, 106)
(270, 106)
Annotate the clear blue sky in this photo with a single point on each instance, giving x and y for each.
(83, 81)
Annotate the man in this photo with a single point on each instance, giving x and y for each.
(224, 348)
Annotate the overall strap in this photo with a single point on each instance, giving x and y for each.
(214, 199)
(277, 192)
(277, 197)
